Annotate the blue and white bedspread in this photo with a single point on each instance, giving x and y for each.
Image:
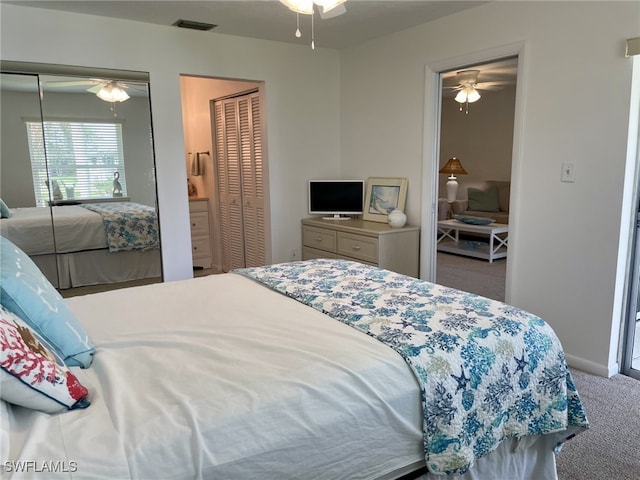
(128, 225)
(488, 371)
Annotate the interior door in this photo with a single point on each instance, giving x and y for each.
(252, 179)
(21, 102)
(63, 146)
(229, 184)
(240, 181)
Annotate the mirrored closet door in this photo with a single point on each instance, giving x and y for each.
(78, 174)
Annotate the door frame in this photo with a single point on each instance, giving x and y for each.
(431, 149)
(629, 264)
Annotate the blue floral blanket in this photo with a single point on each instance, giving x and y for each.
(488, 371)
(128, 225)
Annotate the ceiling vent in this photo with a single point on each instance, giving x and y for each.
(194, 25)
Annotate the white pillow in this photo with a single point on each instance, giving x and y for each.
(33, 375)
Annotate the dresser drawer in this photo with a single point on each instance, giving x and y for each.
(199, 205)
(200, 247)
(358, 246)
(319, 238)
(199, 223)
(312, 253)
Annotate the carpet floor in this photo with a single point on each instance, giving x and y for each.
(610, 449)
(472, 275)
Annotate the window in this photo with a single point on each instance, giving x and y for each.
(75, 159)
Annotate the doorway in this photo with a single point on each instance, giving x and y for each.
(477, 115)
(198, 94)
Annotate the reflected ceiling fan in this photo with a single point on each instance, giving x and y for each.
(108, 90)
(326, 9)
(468, 87)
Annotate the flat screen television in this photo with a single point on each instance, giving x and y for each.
(337, 199)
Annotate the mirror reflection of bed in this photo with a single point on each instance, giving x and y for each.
(78, 176)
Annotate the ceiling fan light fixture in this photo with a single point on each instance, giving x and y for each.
(112, 92)
(467, 94)
(306, 6)
(299, 6)
(473, 95)
(461, 97)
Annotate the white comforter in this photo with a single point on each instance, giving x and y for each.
(219, 377)
(76, 229)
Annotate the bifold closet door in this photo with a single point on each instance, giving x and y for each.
(239, 176)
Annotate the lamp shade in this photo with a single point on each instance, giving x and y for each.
(453, 167)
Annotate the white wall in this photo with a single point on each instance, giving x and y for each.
(573, 106)
(302, 104)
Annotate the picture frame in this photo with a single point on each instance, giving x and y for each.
(382, 196)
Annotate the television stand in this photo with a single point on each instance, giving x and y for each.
(336, 217)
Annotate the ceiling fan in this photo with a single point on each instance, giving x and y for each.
(326, 9)
(105, 89)
(468, 87)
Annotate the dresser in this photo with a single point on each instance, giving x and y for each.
(374, 243)
(200, 237)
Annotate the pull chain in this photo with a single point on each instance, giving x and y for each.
(313, 35)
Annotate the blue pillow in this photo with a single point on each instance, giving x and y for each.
(5, 212)
(25, 291)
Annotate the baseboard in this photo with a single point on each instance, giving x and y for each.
(592, 367)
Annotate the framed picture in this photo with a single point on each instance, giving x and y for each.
(383, 195)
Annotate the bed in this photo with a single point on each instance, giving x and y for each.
(293, 371)
(94, 243)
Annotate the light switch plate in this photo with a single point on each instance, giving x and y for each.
(568, 172)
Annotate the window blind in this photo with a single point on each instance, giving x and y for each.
(75, 159)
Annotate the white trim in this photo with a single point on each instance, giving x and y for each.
(430, 145)
(593, 368)
(623, 294)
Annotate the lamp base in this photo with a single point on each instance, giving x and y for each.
(452, 189)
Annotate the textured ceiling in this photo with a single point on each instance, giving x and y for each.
(271, 20)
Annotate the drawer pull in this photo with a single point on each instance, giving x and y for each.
(318, 239)
(195, 248)
(356, 247)
(193, 224)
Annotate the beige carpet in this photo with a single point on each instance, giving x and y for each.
(610, 449)
(472, 275)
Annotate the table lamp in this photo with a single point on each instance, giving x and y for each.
(453, 167)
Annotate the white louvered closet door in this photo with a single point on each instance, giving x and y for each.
(240, 181)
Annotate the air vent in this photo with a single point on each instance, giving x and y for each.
(194, 25)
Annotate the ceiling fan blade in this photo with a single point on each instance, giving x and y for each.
(95, 88)
(498, 83)
(72, 83)
(333, 12)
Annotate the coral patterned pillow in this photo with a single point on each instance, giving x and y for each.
(32, 375)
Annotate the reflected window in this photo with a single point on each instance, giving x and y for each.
(79, 160)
